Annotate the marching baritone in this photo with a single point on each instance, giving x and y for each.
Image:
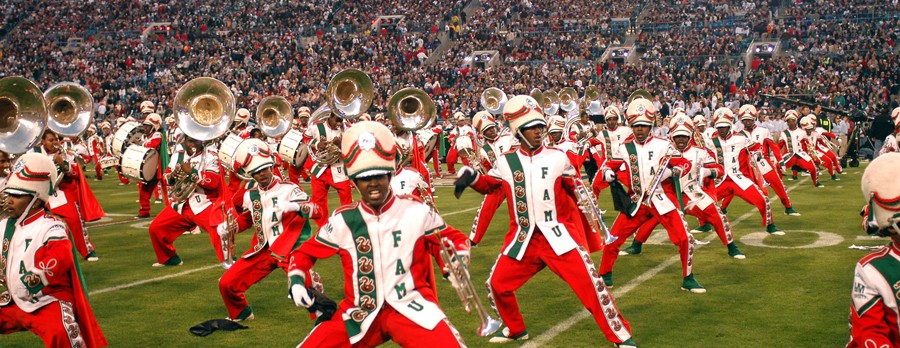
(495, 144)
(387, 289)
(71, 200)
(610, 139)
(891, 142)
(192, 163)
(544, 230)
(152, 140)
(644, 169)
(761, 136)
(40, 286)
(325, 136)
(278, 210)
(874, 310)
(461, 137)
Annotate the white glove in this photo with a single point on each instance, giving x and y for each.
(300, 296)
(222, 230)
(609, 175)
(705, 172)
(464, 169)
(667, 173)
(288, 206)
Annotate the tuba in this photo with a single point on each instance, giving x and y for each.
(568, 99)
(492, 100)
(591, 97)
(23, 115)
(70, 107)
(205, 109)
(274, 115)
(549, 102)
(410, 109)
(350, 93)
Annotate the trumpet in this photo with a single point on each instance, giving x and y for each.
(462, 282)
(227, 244)
(587, 203)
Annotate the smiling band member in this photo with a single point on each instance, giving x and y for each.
(278, 211)
(383, 243)
(545, 229)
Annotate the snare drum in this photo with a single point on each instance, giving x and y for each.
(108, 162)
(129, 133)
(140, 163)
(292, 149)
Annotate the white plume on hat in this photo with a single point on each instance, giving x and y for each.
(368, 148)
(881, 187)
(32, 174)
(251, 156)
(523, 111)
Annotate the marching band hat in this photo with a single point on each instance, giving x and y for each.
(699, 120)
(482, 121)
(523, 111)
(556, 124)
(791, 114)
(612, 111)
(895, 116)
(92, 129)
(32, 174)
(882, 189)
(459, 116)
(808, 122)
(303, 111)
(242, 116)
(723, 117)
(368, 148)
(748, 112)
(251, 156)
(147, 107)
(640, 112)
(681, 125)
(104, 125)
(154, 120)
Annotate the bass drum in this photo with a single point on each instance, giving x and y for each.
(292, 149)
(226, 153)
(108, 162)
(140, 163)
(430, 141)
(129, 133)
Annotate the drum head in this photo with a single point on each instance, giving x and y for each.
(292, 149)
(149, 165)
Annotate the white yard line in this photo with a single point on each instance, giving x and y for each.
(195, 270)
(620, 291)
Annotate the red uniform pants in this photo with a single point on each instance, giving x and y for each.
(46, 322)
(388, 325)
(78, 232)
(575, 267)
(145, 191)
(625, 226)
(169, 225)
(751, 195)
(452, 156)
(122, 178)
(320, 187)
(711, 213)
(799, 162)
(775, 182)
(485, 214)
(242, 275)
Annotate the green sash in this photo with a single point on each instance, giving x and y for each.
(521, 203)
(7, 241)
(365, 276)
(256, 202)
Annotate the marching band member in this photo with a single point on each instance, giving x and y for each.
(770, 175)
(582, 131)
(95, 147)
(556, 139)
(495, 145)
(734, 152)
(67, 201)
(278, 210)
(696, 202)
(891, 143)
(153, 140)
(40, 286)
(461, 137)
(324, 175)
(874, 310)
(388, 295)
(107, 141)
(815, 141)
(795, 155)
(700, 122)
(544, 230)
(5, 165)
(610, 138)
(299, 123)
(174, 219)
(639, 166)
(147, 107)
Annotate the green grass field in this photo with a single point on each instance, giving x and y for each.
(791, 291)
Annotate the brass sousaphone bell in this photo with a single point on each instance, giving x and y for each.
(204, 108)
(350, 93)
(274, 115)
(568, 99)
(23, 115)
(411, 109)
(492, 100)
(549, 102)
(70, 108)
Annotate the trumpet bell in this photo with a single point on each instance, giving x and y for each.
(23, 115)
(274, 115)
(350, 93)
(493, 99)
(204, 108)
(411, 109)
(70, 106)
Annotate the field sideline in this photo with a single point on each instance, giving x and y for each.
(791, 291)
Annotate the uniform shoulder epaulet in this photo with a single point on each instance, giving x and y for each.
(345, 207)
(411, 197)
(875, 256)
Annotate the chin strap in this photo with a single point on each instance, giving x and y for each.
(27, 210)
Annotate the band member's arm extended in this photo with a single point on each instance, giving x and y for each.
(302, 259)
(55, 259)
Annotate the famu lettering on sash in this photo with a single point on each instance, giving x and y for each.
(317, 169)
(789, 141)
(7, 241)
(365, 273)
(521, 205)
(256, 202)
